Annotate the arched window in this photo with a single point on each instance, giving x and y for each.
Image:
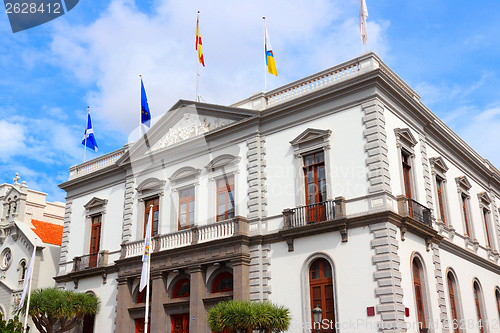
(88, 320)
(223, 282)
(321, 288)
(182, 289)
(22, 270)
(418, 284)
(453, 293)
(478, 300)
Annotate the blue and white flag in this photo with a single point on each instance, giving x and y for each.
(145, 114)
(146, 252)
(88, 137)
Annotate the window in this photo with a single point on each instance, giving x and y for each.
(180, 323)
(405, 157)
(95, 238)
(463, 187)
(186, 208)
(22, 270)
(155, 202)
(465, 204)
(406, 142)
(452, 291)
(182, 289)
(440, 200)
(321, 288)
(479, 308)
(314, 173)
(497, 296)
(223, 282)
(141, 295)
(486, 227)
(225, 198)
(139, 325)
(419, 295)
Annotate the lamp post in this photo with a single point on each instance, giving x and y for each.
(317, 317)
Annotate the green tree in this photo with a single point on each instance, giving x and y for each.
(246, 316)
(54, 311)
(11, 326)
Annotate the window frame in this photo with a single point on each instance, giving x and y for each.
(187, 201)
(463, 187)
(423, 283)
(405, 144)
(322, 282)
(178, 285)
(481, 314)
(457, 300)
(156, 208)
(181, 179)
(95, 247)
(95, 207)
(485, 209)
(148, 189)
(438, 172)
(219, 278)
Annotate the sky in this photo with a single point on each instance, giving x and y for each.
(447, 50)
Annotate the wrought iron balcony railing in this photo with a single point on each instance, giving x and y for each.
(314, 213)
(415, 210)
(89, 261)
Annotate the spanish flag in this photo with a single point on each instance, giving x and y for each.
(271, 65)
(198, 41)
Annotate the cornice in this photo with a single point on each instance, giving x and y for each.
(469, 256)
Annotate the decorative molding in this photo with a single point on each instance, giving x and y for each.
(438, 165)
(405, 139)
(484, 198)
(190, 126)
(259, 272)
(185, 174)
(223, 161)
(256, 177)
(128, 209)
(388, 276)
(95, 206)
(426, 172)
(463, 184)
(151, 187)
(376, 149)
(438, 274)
(311, 139)
(65, 236)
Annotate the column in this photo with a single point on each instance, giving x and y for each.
(241, 279)
(159, 297)
(123, 302)
(197, 312)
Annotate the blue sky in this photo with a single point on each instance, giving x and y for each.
(448, 51)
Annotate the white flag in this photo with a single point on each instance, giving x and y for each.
(363, 15)
(27, 278)
(146, 252)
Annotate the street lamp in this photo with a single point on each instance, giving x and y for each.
(317, 316)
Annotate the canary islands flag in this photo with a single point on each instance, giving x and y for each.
(271, 65)
(145, 114)
(146, 252)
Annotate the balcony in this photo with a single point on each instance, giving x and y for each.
(414, 209)
(195, 235)
(314, 213)
(90, 261)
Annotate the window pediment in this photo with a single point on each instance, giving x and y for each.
(437, 163)
(484, 198)
(185, 174)
(463, 183)
(95, 206)
(310, 138)
(405, 138)
(150, 187)
(225, 160)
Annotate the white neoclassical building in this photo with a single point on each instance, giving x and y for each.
(341, 191)
(26, 219)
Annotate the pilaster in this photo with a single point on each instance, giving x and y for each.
(198, 291)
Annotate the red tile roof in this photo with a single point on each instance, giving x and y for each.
(48, 232)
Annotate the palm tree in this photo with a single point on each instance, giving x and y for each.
(246, 316)
(54, 311)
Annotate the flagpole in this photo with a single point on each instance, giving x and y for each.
(265, 55)
(197, 56)
(29, 291)
(148, 265)
(86, 134)
(140, 114)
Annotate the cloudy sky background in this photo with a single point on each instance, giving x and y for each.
(448, 51)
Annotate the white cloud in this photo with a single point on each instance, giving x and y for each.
(124, 42)
(12, 139)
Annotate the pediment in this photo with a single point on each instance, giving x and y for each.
(438, 163)
(185, 173)
(151, 184)
(311, 135)
(222, 161)
(95, 202)
(484, 198)
(12, 194)
(463, 182)
(404, 135)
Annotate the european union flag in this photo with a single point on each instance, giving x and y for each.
(88, 137)
(145, 114)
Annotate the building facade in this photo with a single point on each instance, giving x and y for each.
(341, 191)
(26, 219)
